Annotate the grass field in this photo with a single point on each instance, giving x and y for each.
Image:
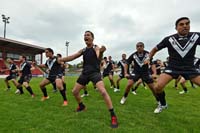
(21, 113)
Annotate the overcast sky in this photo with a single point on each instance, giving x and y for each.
(117, 24)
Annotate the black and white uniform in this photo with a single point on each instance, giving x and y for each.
(121, 64)
(12, 75)
(141, 70)
(108, 68)
(55, 69)
(91, 67)
(181, 52)
(26, 75)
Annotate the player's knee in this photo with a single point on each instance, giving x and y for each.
(158, 88)
(75, 92)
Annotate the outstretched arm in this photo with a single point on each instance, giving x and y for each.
(71, 57)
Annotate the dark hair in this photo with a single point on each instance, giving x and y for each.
(140, 43)
(50, 50)
(90, 33)
(105, 58)
(182, 18)
(23, 56)
(59, 55)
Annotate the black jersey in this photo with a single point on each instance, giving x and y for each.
(108, 67)
(121, 64)
(181, 50)
(12, 67)
(25, 68)
(138, 59)
(91, 63)
(53, 66)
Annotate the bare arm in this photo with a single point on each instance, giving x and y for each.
(71, 57)
(151, 54)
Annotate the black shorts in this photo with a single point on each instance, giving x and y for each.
(53, 78)
(13, 76)
(26, 78)
(187, 74)
(121, 75)
(85, 79)
(107, 74)
(146, 77)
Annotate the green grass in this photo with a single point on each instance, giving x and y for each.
(21, 113)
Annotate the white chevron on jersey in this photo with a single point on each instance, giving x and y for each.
(140, 62)
(183, 50)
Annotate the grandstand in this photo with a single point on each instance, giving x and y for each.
(13, 49)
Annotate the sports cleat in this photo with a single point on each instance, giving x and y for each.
(116, 90)
(79, 109)
(160, 108)
(65, 103)
(183, 92)
(85, 95)
(54, 91)
(134, 92)
(123, 100)
(8, 89)
(44, 98)
(33, 95)
(17, 91)
(114, 123)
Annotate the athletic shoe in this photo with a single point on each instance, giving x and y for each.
(114, 123)
(44, 98)
(79, 109)
(160, 108)
(85, 95)
(65, 103)
(54, 91)
(134, 92)
(123, 100)
(8, 89)
(33, 95)
(116, 90)
(182, 92)
(17, 91)
(111, 87)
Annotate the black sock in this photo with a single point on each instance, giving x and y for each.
(185, 89)
(44, 90)
(8, 86)
(134, 89)
(81, 105)
(29, 90)
(54, 86)
(112, 113)
(161, 97)
(85, 92)
(117, 86)
(112, 83)
(175, 85)
(125, 94)
(20, 89)
(62, 92)
(192, 84)
(64, 86)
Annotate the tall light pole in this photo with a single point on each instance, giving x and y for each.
(5, 20)
(67, 45)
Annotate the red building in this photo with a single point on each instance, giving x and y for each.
(13, 49)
